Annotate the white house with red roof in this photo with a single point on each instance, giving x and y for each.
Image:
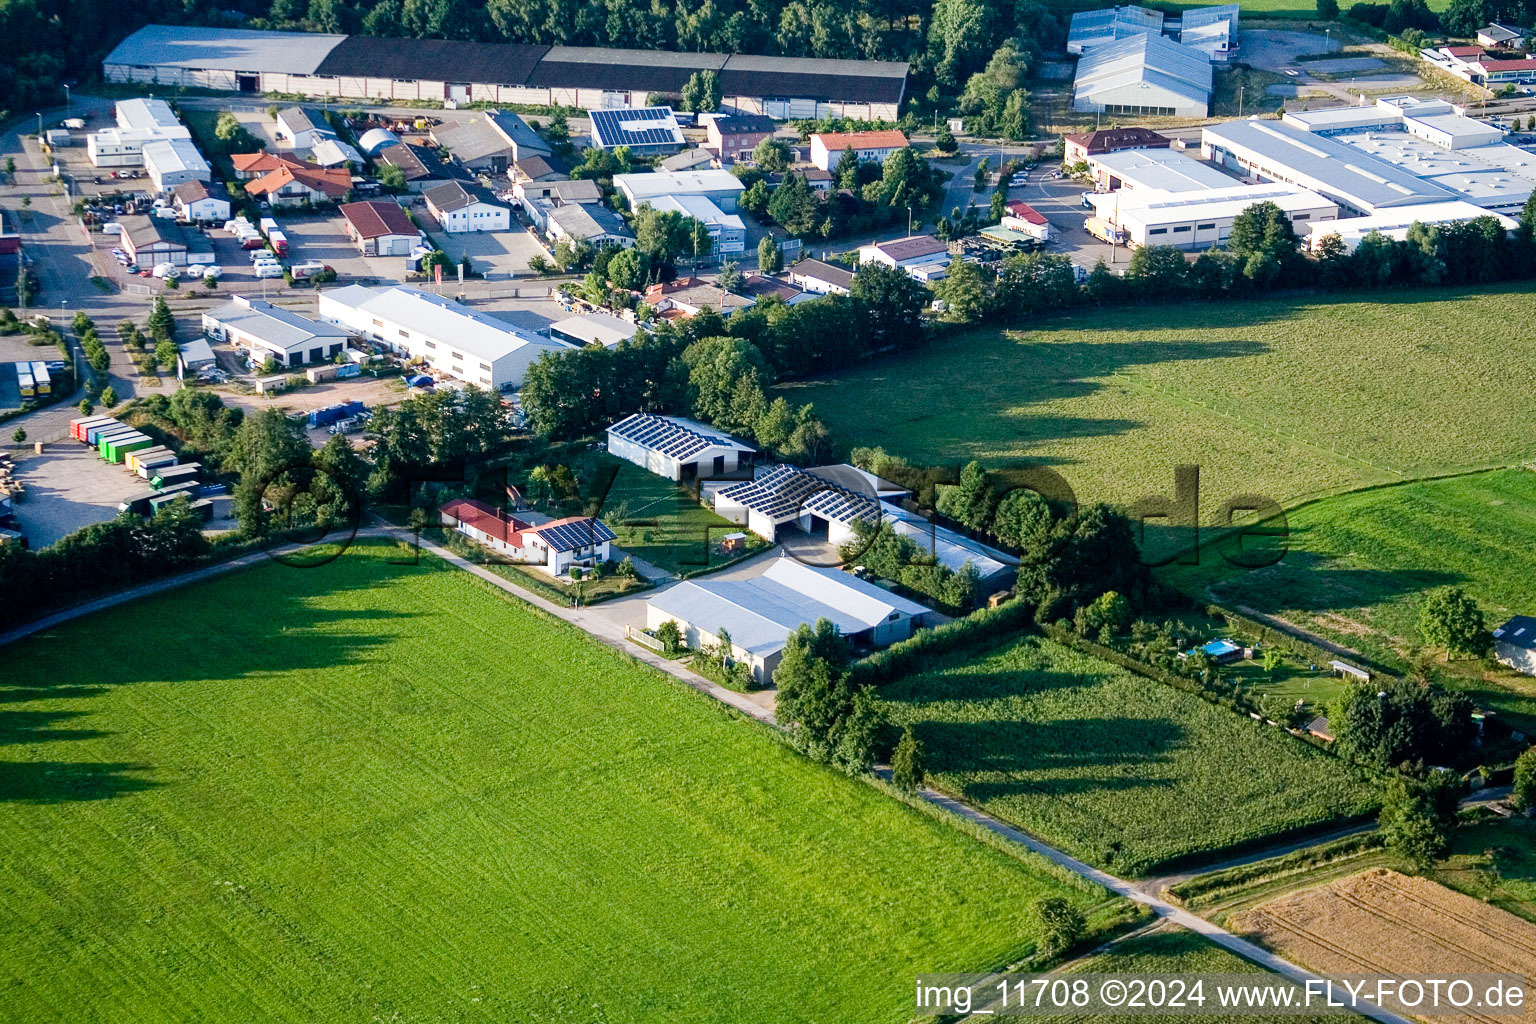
(555, 546)
(827, 148)
(1020, 216)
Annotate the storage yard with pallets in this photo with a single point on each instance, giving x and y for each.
(1382, 922)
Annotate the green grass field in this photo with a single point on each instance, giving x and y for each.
(1116, 769)
(1278, 398)
(663, 524)
(1360, 563)
(369, 792)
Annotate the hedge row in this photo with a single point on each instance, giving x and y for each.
(922, 648)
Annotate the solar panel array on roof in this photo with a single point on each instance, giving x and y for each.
(668, 436)
(642, 126)
(786, 491)
(571, 534)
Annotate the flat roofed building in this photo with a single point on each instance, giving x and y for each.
(465, 343)
(677, 448)
(1096, 28)
(593, 329)
(923, 256)
(1395, 223)
(1143, 75)
(760, 613)
(1434, 121)
(1514, 644)
(1496, 177)
(267, 331)
(727, 231)
(1164, 170)
(720, 186)
(1200, 220)
(172, 162)
(144, 112)
(1275, 151)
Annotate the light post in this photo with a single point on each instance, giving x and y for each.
(68, 105)
(39, 129)
(909, 222)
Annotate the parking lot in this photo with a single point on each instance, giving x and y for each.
(68, 487)
(497, 255)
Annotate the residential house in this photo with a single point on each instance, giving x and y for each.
(760, 613)
(461, 207)
(555, 547)
(923, 256)
(201, 201)
(301, 128)
(1080, 147)
(761, 286)
(734, 136)
(1514, 644)
(489, 141)
(827, 148)
(588, 222)
(688, 297)
(678, 448)
(727, 231)
(293, 186)
(540, 168)
(821, 278)
(379, 227)
(265, 331)
(538, 198)
(1501, 36)
(250, 166)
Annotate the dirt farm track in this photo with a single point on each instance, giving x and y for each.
(1381, 922)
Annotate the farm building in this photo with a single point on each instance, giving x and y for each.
(267, 332)
(554, 547)
(593, 329)
(814, 501)
(461, 206)
(760, 613)
(821, 278)
(952, 550)
(450, 338)
(733, 136)
(1096, 28)
(721, 187)
(1163, 170)
(460, 72)
(827, 148)
(1078, 148)
(1200, 220)
(1360, 183)
(379, 228)
(923, 256)
(587, 222)
(1395, 223)
(677, 448)
(1143, 75)
(1514, 644)
(647, 131)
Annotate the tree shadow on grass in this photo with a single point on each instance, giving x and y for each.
(57, 782)
(1313, 581)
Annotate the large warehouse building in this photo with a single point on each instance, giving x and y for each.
(1202, 219)
(365, 67)
(1143, 75)
(1395, 223)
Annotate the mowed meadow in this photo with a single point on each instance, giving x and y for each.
(1268, 397)
(379, 792)
(1123, 772)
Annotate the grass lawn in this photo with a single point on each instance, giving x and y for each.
(1360, 563)
(1168, 952)
(1116, 769)
(664, 524)
(370, 792)
(1495, 861)
(1280, 398)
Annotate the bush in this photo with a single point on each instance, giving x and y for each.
(20, 436)
(109, 396)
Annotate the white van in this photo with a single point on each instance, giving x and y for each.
(269, 270)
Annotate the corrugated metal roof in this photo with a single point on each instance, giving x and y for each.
(1144, 58)
(673, 436)
(225, 49)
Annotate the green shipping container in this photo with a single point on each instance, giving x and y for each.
(175, 475)
(105, 438)
(119, 451)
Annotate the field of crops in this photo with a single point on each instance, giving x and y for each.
(1360, 563)
(1167, 953)
(1116, 769)
(1274, 398)
(379, 793)
(1381, 922)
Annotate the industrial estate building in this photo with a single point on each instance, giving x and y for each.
(469, 345)
(721, 187)
(1143, 75)
(265, 331)
(678, 448)
(1200, 220)
(760, 613)
(455, 71)
(1395, 223)
(1165, 170)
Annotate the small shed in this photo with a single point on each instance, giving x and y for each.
(1348, 671)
